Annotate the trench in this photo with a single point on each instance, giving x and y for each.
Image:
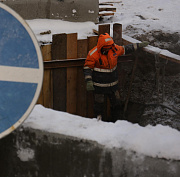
(154, 96)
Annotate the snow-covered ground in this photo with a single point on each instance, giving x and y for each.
(143, 15)
(58, 26)
(156, 21)
(159, 141)
(147, 15)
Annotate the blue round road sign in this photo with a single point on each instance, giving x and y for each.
(21, 70)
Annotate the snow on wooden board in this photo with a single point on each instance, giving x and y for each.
(155, 50)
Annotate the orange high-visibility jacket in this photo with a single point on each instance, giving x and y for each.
(102, 69)
(96, 59)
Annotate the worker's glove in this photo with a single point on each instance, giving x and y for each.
(143, 44)
(89, 86)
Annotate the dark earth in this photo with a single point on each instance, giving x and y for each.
(155, 92)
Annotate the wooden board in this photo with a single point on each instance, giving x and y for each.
(104, 29)
(71, 74)
(59, 51)
(92, 42)
(117, 33)
(81, 85)
(47, 81)
(154, 50)
(101, 4)
(107, 9)
(59, 46)
(106, 14)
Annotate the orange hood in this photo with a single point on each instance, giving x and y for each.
(104, 40)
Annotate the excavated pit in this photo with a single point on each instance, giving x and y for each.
(155, 94)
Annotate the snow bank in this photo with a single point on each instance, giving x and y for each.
(83, 29)
(159, 141)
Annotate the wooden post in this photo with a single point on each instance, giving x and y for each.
(92, 42)
(104, 29)
(59, 51)
(117, 33)
(71, 74)
(81, 85)
(47, 81)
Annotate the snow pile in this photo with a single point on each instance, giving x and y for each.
(38, 26)
(26, 154)
(159, 141)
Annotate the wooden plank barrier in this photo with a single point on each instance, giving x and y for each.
(45, 97)
(81, 101)
(59, 75)
(117, 34)
(105, 28)
(71, 82)
(92, 42)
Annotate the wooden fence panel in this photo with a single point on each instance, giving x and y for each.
(92, 42)
(40, 99)
(71, 74)
(59, 51)
(117, 34)
(47, 81)
(81, 86)
(104, 29)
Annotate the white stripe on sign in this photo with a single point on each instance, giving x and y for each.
(19, 74)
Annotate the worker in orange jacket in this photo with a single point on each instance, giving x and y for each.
(100, 70)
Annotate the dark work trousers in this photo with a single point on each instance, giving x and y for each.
(114, 101)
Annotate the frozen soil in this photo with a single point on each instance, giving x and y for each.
(155, 98)
(156, 86)
(168, 98)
